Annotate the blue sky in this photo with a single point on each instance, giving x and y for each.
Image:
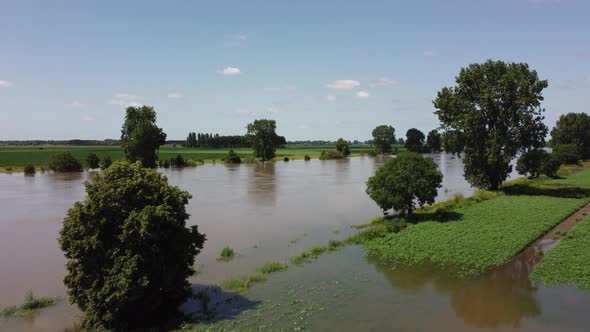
(322, 69)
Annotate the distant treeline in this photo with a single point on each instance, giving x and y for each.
(79, 142)
(322, 142)
(203, 140)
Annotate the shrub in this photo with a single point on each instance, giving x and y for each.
(372, 153)
(166, 163)
(92, 161)
(327, 155)
(567, 153)
(129, 251)
(106, 162)
(530, 162)
(227, 253)
(271, 268)
(550, 165)
(178, 161)
(29, 169)
(307, 157)
(64, 162)
(286, 159)
(232, 157)
(31, 305)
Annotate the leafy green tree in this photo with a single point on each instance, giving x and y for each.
(129, 251)
(550, 165)
(403, 181)
(433, 140)
(495, 111)
(106, 162)
(573, 128)
(140, 137)
(263, 138)
(29, 169)
(232, 157)
(401, 141)
(64, 162)
(415, 140)
(328, 155)
(343, 146)
(383, 139)
(530, 162)
(567, 153)
(92, 161)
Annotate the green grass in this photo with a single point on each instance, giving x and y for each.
(226, 254)
(241, 285)
(569, 262)
(272, 267)
(578, 179)
(30, 306)
(486, 235)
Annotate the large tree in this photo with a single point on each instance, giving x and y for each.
(495, 112)
(415, 140)
(141, 137)
(263, 138)
(383, 138)
(343, 146)
(433, 140)
(128, 249)
(573, 128)
(403, 181)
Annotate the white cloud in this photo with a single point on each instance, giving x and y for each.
(362, 94)
(174, 95)
(343, 84)
(330, 98)
(383, 81)
(126, 100)
(5, 84)
(230, 71)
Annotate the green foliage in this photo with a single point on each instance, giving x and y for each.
(573, 128)
(484, 235)
(495, 111)
(64, 162)
(578, 179)
(404, 181)
(30, 169)
(178, 161)
(92, 161)
(263, 138)
(328, 155)
(529, 163)
(140, 136)
(128, 249)
(106, 162)
(232, 157)
(433, 141)
(569, 262)
(343, 146)
(286, 159)
(372, 153)
(166, 163)
(550, 165)
(241, 285)
(567, 153)
(307, 157)
(272, 267)
(226, 254)
(383, 139)
(414, 140)
(30, 306)
(377, 231)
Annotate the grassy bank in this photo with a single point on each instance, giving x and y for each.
(477, 237)
(578, 179)
(569, 262)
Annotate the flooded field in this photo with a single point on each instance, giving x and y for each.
(268, 212)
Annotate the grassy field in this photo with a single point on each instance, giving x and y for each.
(577, 179)
(484, 235)
(569, 262)
(19, 156)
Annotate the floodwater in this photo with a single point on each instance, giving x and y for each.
(268, 212)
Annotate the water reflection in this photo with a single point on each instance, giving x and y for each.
(262, 184)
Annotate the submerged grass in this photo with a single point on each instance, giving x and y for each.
(241, 285)
(226, 254)
(272, 267)
(30, 306)
(483, 236)
(569, 262)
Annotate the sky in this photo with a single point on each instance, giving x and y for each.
(321, 69)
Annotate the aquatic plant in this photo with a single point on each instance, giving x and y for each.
(272, 267)
(30, 306)
(29, 169)
(241, 285)
(226, 254)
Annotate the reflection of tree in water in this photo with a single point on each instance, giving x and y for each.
(262, 183)
(503, 297)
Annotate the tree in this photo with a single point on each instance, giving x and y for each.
(128, 249)
(495, 111)
(573, 128)
(106, 162)
(64, 162)
(263, 138)
(401, 141)
(567, 153)
(343, 146)
(403, 181)
(383, 138)
(178, 161)
(92, 161)
(433, 140)
(530, 162)
(232, 157)
(550, 165)
(140, 137)
(414, 140)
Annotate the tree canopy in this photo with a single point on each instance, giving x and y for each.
(343, 146)
(403, 181)
(263, 138)
(433, 140)
(414, 140)
(64, 162)
(92, 161)
(383, 139)
(573, 128)
(128, 249)
(140, 136)
(492, 113)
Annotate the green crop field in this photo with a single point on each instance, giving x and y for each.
(485, 235)
(569, 262)
(18, 156)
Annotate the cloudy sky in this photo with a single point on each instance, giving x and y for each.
(322, 69)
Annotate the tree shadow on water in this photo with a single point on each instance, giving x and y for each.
(211, 304)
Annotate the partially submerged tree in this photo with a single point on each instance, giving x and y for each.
(415, 140)
(129, 251)
(141, 137)
(106, 162)
(343, 146)
(433, 141)
(232, 157)
(383, 139)
(403, 181)
(263, 138)
(573, 128)
(495, 111)
(92, 161)
(64, 162)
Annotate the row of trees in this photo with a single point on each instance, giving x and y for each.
(198, 140)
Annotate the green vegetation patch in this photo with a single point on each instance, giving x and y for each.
(578, 179)
(226, 254)
(30, 306)
(481, 236)
(241, 285)
(569, 262)
(272, 267)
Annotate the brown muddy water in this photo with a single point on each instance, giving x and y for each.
(268, 213)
